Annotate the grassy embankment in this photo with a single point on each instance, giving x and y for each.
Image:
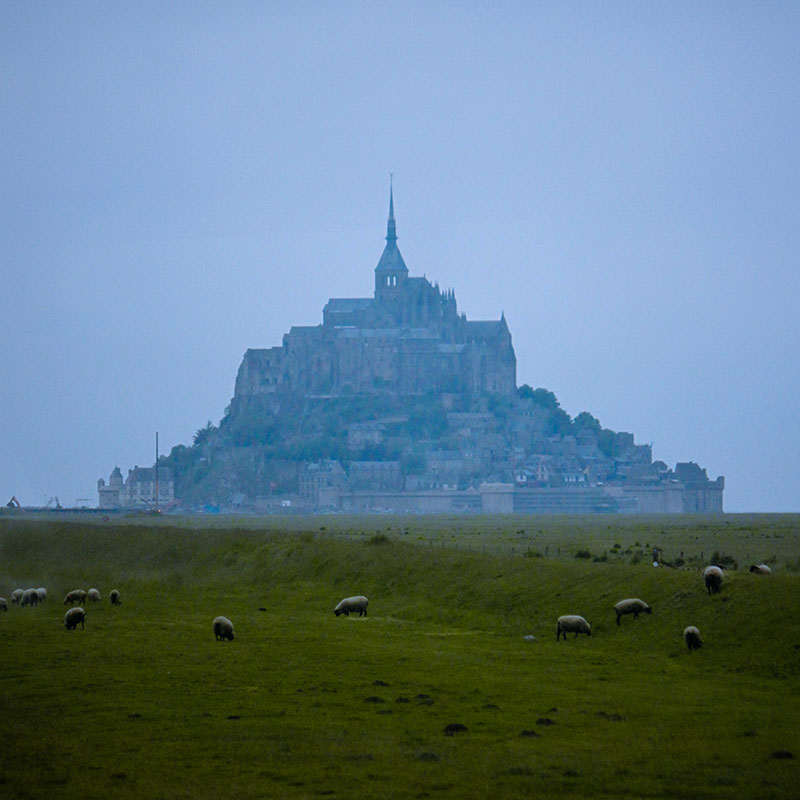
(144, 702)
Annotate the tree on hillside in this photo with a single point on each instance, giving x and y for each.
(587, 422)
(202, 434)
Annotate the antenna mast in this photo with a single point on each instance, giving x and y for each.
(157, 508)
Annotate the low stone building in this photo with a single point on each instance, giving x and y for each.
(138, 490)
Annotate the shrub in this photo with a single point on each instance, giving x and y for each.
(723, 560)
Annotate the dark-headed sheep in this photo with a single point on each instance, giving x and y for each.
(632, 605)
(692, 638)
(223, 629)
(572, 623)
(73, 617)
(3, 604)
(29, 598)
(75, 596)
(113, 596)
(349, 605)
(713, 577)
(761, 569)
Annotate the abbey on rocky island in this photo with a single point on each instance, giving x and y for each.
(397, 402)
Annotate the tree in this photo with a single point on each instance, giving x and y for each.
(202, 434)
(586, 421)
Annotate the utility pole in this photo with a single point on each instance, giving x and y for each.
(157, 508)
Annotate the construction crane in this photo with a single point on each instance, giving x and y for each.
(13, 503)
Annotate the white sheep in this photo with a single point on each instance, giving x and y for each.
(352, 604)
(632, 605)
(113, 596)
(692, 638)
(73, 617)
(75, 596)
(16, 595)
(572, 623)
(761, 569)
(3, 604)
(93, 595)
(29, 598)
(42, 592)
(223, 629)
(713, 577)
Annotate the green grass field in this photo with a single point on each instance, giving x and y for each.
(302, 704)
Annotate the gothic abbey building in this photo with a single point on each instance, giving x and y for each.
(407, 339)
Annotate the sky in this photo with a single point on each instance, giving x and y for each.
(180, 182)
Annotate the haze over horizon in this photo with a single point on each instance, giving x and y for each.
(182, 182)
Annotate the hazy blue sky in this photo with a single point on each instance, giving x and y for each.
(182, 181)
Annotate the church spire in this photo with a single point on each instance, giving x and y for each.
(391, 230)
(391, 271)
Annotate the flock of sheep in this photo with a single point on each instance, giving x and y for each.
(712, 577)
(74, 616)
(223, 627)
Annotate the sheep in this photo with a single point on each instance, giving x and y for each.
(16, 595)
(75, 596)
(352, 604)
(761, 569)
(113, 596)
(692, 638)
(223, 629)
(713, 577)
(29, 598)
(42, 592)
(73, 617)
(3, 604)
(572, 623)
(93, 595)
(632, 605)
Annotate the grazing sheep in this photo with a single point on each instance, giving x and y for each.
(352, 604)
(42, 592)
(572, 623)
(93, 595)
(692, 638)
(3, 604)
(75, 596)
(632, 605)
(713, 577)
(29, 598)
(16, 595)
(113, 596)
(73, 617)
(761, 569)
(223, 629)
